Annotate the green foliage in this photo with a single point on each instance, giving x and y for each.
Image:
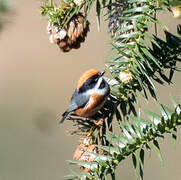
(132, 51)
(139, 60)
(137, 135)
(59, 14)
(62, 12)
(4, 7)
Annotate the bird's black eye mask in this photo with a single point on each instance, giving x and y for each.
(89, 83)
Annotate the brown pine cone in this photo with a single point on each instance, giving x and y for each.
(71, 35)
(81, 155)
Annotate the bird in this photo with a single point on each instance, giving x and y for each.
(89, 96)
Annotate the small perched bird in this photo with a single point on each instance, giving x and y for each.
(89, 96)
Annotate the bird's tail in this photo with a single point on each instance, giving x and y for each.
(64, 116)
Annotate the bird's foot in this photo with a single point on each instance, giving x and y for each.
(99, 122)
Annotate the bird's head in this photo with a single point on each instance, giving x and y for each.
(92, 81)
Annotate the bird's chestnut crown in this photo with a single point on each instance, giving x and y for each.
(89, 80)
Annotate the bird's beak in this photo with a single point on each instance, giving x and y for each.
(101, 73)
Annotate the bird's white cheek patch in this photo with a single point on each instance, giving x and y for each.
(96, 90)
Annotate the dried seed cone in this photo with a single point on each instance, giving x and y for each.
(81, 155)
(176, 10)
(79, 2)
(71, 36)
(115, 22)
(125, 76)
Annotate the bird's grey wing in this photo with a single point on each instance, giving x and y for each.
(77, 101)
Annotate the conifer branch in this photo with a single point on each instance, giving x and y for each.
(137, 134)
(139, 60)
